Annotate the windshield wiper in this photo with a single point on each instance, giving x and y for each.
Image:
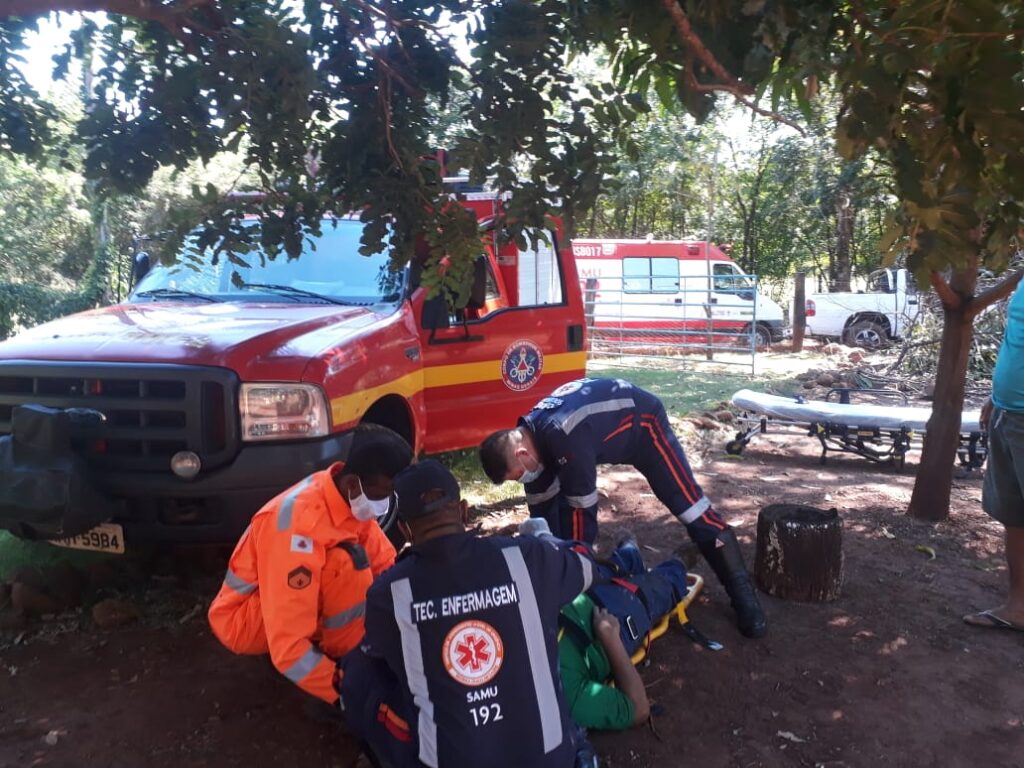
(290, 290)
(176, 293)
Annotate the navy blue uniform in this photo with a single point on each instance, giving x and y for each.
(609, 421)
(469, 627)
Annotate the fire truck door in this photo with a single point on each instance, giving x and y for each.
(483, 372)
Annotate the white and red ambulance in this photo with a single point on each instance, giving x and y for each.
(684, 287)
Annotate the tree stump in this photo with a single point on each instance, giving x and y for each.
(799, 552)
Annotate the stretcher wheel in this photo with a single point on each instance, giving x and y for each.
(735, 447)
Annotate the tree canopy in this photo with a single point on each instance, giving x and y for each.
(332, 103)
(346, 87)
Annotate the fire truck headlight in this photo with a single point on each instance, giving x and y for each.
(283, 412)
(186, 464)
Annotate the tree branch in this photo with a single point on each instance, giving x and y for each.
(996, 293)
(728, 83)
(174, 16)
(937, 34)
(695, 45)
(950, 298)
(367, 48)
(391, 21)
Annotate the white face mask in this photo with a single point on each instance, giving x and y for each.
(529, 476)
(366, 509)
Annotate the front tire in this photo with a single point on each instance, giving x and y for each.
(866, 334)
(762, 336)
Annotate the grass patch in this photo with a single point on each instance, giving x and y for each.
(477, 488)
(17, 553)
(687, 391)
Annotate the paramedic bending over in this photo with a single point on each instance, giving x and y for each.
(555, 450)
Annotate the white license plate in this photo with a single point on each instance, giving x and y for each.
(105, 537)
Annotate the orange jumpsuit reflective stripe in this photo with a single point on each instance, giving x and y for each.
(296, 583)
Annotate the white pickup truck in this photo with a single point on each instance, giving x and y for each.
(870, 318)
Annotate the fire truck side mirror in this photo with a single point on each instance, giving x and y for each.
(435, 314)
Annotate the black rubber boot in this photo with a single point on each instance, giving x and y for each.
(726, 560)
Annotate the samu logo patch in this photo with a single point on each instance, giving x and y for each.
(300, 578)
(473, 652)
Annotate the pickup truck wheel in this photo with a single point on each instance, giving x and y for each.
(867, 334)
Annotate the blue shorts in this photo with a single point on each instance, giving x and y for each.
(1003, 491)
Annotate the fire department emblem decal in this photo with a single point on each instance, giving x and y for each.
(300, 578)
(521, 365)
(473, 652)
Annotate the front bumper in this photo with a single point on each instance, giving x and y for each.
(215, 507)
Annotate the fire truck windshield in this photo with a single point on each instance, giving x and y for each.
(330, 269)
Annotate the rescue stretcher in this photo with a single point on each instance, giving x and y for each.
(695, 584)
(878, 432)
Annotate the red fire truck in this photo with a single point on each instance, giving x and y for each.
(217, 384)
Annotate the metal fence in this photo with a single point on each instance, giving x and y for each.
(692, 320)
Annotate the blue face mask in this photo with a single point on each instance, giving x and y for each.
(529, 476)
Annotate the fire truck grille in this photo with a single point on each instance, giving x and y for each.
(152, 411)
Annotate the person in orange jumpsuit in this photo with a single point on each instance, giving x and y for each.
(296, 583)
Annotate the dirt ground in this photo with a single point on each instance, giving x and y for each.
(885, 675)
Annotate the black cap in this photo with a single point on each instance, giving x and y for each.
(419, 480)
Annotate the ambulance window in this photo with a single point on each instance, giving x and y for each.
(729, 279)
(540, 281)
(636, 275)
(648, 275)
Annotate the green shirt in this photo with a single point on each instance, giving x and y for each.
(586, 673)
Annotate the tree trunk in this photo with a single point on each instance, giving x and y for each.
(799, 552)
(930, 500)
(621, 213)
(568, 221)
(799, 311)
(748, 245)
(843, 265)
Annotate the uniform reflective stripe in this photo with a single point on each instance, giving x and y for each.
(536, 653)
(570, 422)
(588, 572)
(550, 493)
(412, 655)
(347, 616)
(237, 583)
(307, 663)
(284, 512)
(696, 510)
(583, 501)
